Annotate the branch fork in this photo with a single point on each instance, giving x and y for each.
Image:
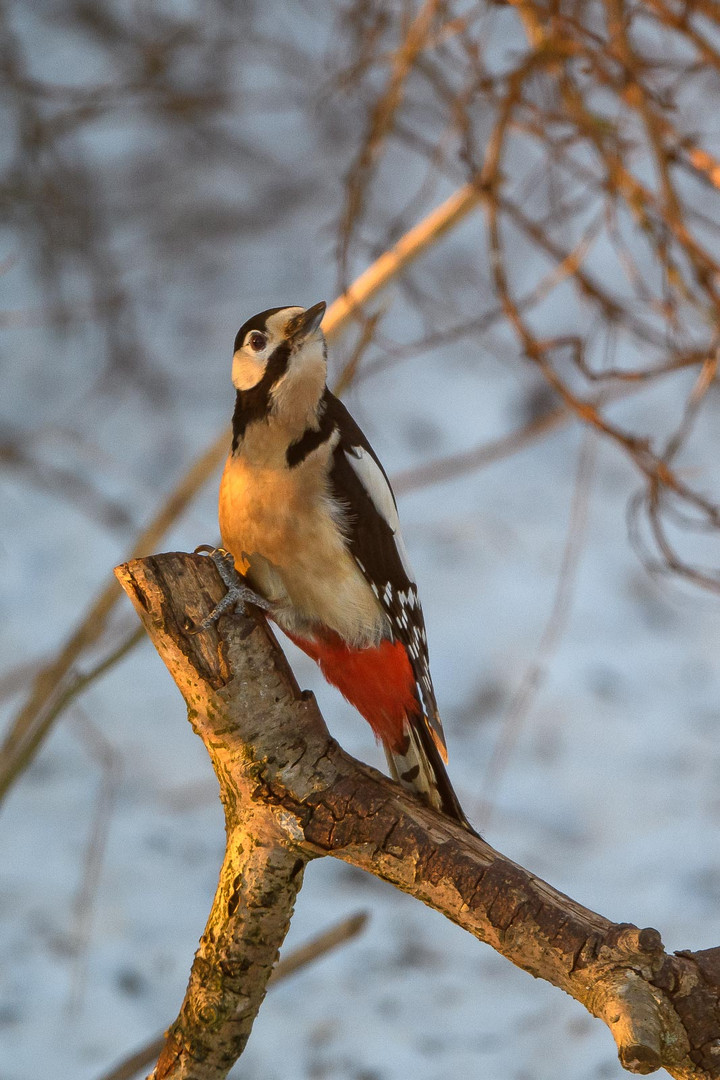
(291, 794)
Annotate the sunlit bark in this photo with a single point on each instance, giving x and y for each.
(291, 794)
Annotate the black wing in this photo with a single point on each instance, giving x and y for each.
(378, 549)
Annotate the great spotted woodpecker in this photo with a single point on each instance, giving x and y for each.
(308, 515)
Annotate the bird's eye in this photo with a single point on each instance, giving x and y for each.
(258, 341)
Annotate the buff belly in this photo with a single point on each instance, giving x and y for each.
(282, 529)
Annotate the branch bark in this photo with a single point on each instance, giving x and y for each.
(291, 794)
(319, 946)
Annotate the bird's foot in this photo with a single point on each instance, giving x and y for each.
(238, 594)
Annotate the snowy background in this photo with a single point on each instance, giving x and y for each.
(112, 839)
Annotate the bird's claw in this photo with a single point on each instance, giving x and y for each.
(238, 594)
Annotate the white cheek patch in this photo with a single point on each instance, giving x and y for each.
(372, 479)
(247, 371)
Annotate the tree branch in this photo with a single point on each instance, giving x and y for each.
(313, 950)
(290, 794)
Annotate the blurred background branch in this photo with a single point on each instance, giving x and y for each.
(168, 170)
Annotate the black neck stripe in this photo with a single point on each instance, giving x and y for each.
(254, 404)
(310, 439)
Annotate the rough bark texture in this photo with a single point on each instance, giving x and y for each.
(261, 872)
(290, 793)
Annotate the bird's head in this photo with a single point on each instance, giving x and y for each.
(279, 346)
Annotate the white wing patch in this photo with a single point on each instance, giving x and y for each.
(372, 479)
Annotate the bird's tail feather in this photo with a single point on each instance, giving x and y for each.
(417, 765)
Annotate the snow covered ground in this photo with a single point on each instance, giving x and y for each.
(611, 791)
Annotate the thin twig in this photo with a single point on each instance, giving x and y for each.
(441, 470)
(108, 758)
(536, 672)
(55, 706)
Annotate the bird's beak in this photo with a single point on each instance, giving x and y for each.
(306, 324)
